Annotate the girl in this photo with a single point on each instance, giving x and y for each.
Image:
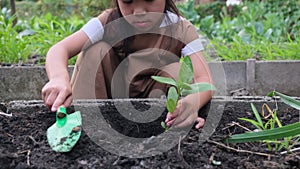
(121, 49)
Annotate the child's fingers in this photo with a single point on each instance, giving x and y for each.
(175, 117)
(50, 99)
(184, 123)
(68, 101)
(200, 123)
(170, 122)
(189, 121)
(45, 96)
(171, 116)
(179, 119)
(60, 99)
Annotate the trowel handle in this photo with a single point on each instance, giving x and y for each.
(61, 116)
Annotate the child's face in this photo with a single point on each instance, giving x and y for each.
(142, 14)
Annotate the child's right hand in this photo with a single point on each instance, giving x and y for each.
(57, 92)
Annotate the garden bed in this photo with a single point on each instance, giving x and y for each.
(24, 143)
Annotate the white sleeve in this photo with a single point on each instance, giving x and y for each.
(192, 47)
(94, 30)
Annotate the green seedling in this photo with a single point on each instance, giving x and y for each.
(281, 136)
(183, 86)
(65, 132)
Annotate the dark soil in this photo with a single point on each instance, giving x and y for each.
(23, 144)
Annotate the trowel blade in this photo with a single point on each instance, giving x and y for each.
(64, 138)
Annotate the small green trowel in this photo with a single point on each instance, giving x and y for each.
(64, 134)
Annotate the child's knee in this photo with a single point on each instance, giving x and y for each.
(97, 51)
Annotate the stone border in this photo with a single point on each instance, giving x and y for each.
(28, 106)
(249, 77)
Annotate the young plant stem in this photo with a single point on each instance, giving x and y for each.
(183, 86)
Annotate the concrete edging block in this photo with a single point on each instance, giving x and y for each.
(240, 101)
(249, 77)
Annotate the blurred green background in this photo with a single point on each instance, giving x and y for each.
(260, 29)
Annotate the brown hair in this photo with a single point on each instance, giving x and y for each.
(170, 6)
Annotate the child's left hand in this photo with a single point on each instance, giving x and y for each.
(186, 113)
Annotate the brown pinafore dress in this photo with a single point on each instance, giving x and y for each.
(102, 73)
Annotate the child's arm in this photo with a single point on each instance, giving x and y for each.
(201, 74)
(187, 109)
(58, 91)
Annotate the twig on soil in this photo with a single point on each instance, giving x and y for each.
(5, 114)
(236, 124)
(243, 127)
(181, 155)
(117, 161)
(9, 135)
(33, 140)
(28, 157)
(239, 150)
(193, 139)
(22, 152)
(228, 126)
(211, 158)
(292, 150)
(179, 146)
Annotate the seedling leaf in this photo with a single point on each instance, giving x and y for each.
(164, 80)
(188, 61)
(198, 87)
(186, 71)
(163, 124)
(185, 86)
(172, 99)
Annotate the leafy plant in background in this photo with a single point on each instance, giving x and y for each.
(289, 11)
(13, 48)
(263, 50)
(280, 136)
(33, 37)
(68, 8)
(50, 29)
(189, 12)
(182, 86)
(260, 28)
(213, 9)
(255, 18)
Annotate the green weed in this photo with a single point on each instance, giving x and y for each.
(271, 132)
